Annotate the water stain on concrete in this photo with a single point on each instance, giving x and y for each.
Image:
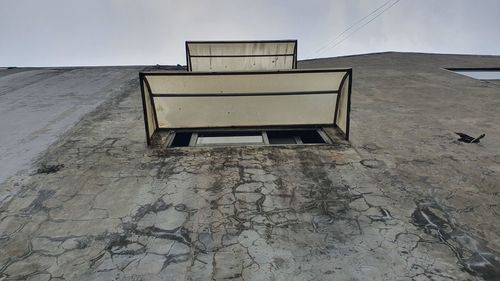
(49, 169)
(472, 252)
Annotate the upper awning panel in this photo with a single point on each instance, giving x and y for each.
(241, 55)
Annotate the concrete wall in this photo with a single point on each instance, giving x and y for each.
(404, 200)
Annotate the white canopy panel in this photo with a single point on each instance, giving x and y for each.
(174, 100)
(241, 55)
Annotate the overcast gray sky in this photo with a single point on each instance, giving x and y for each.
(124, 32)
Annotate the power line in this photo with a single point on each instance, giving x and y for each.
(364, 25)
(350, 34)
(349, 28)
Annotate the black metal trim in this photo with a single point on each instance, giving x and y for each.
(222, 95)
(243, 41)
(188, 58)
(348, 125)
(287, 71)
(241, 56)
(295, 55)
(247, 128)
(143, 96)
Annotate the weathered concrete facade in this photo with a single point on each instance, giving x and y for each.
(38, 105)
(403, 201)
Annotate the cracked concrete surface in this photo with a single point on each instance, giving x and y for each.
(403, 201)
(38, 105)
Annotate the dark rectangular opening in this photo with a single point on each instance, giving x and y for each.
(181, 139)
(249, 137)
(311, 136)
(283, 137)
(295, 137)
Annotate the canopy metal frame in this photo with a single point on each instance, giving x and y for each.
(189, 55)
(148, 95)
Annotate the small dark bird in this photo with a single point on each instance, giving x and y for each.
(468, 139)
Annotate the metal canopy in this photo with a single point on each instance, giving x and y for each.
(241, 55)
(193, 100)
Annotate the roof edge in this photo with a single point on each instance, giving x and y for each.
(397, 52)
(240, 41)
